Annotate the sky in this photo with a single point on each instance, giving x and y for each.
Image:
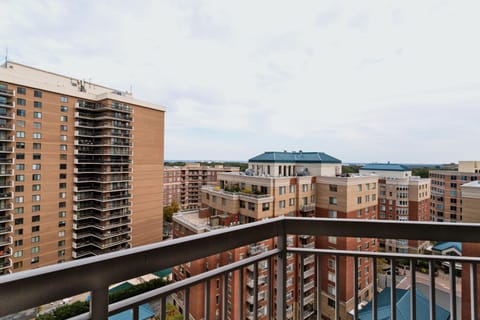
(364, 81)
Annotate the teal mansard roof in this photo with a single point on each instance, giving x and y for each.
(295, 157)
(385, 167)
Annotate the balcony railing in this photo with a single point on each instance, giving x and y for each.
(30, 289)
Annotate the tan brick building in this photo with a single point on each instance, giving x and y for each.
(278, 184)
(81, 167)
(183, 183)
(401, 197)
(446, 186)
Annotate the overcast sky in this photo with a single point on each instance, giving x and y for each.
(364, 81)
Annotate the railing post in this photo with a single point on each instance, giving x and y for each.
(393, 288)
(473, 291)
(99, 303)
(355, 287)
(318, 263)
(302, 294)
(413, 288)
(281, 276)
(453, 291)
(375, 289)
(431, 269)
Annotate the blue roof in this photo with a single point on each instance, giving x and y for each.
(385, 167)
(403, 307)
(441, 246)
(298, 157)
(144, 312)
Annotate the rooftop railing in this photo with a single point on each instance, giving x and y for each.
(29, 289)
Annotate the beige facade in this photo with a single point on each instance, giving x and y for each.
(79, 169)
(469, 166)
(183, 183)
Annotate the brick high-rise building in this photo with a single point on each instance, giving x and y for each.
(183, 183)
(401, 197)
(276, 184)
(446, 186)
(80, 166)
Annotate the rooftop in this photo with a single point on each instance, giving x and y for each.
(295, 157)
(385, 167)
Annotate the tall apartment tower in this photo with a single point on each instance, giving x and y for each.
(278, 184)
(401, 197)
(81, 167)
(349, 197)
(446, 186)
(183, 183)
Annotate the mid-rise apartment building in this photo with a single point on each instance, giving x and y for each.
(277, 184)
(401, 197)
(79, 169)
(183, 183)
(446, 187)
(470, 195)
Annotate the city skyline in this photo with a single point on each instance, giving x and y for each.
(369, 82)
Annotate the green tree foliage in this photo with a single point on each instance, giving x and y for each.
(350, 169)
(421, 172)
(168, 211)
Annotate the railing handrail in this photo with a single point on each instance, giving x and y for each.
(19, 291)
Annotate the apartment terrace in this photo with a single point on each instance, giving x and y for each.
(23, 290)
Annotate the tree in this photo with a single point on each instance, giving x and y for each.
(168, 211)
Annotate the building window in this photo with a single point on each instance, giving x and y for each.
(36, 177)
(20, 145)
(304, 187)
(63, 166)
(61, 253)
(18, 254)
(37, 135)
(63, 137)
(36, 187)
(62, 176)
(21, 123)
(37, 104)
(333, 188)
(20, 134)
(359, 200)
(332, 240)
(37, 125)
(37, 146)
(63, 147)
(63, 99)
(281, 190)
(63, 118)
(61, 233)
(332, 213)
(62, 185)
(37, 94)
(62, 214)
(332, 200)
(35, 228)
(35, 260)
(18, 243)
(36, 166)
(37, 156)
(281, 204)
(62, 223)
(359, 187)
(61, 243)
(62, 204)
(18, 210)
(35, 249)
(19, 188)
(19, 177)
(19, 199)
(36, 197)
(20, 166)
(18, 221)
(62, 195)
(21, 90)
(21, 102)
(20, 156)
(36, 208)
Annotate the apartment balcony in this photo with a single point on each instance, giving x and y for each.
(101, 226)
(82, 234)
(6, 195)
(6, 126)
(100, 272)
(4, 137)
(6, 218)
(5, 230)
(4, 253)
(7, 263)
(100, 216)
(6, 207)
(101, 244)
(6, 93)
(5, 241)
(307, 208)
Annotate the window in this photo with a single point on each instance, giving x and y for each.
(19, 177)
(62, 214)
(63, 118)
(63, 156)
(36, 187)
(63, 166)
(63, 137)
(61, 243)
(332, 200)
(21, 123)
(63, 99)
(359, 187)
(62, 195)
(292, 188)
(304, 187)
(35, 249)
(37, 94)
(21, 90)
(37, 146)
(367, 198)
(63, 147)
(281, 190)
(19, 199)
(332, 240)
(18, 243)
(19, 210)
(36, 208)
(61, 233)
(359, 200)
(35, 260)
(62, 185)
(64, 176)
(35, 228)
(63, 127)
(62, 204)
(20, 134)
(37, 135)
(332, 213)
(62, 223)
(19, 166)
(36, 177)
(36, 166)
(19, 188)
(61, 253)
(18, 254)
(281, 204)
(18, 221)
(20, 156)
(18, 232)
(37, 156)
(37, 104)
(20, 145)
(333, 187)
(21, 102)
(37, 125)
(36, 197)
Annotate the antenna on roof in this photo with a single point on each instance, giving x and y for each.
(6, 56)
